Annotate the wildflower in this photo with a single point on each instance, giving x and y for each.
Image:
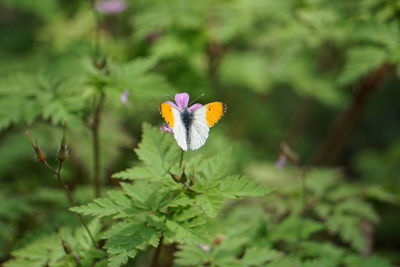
(165, 128)
(182, 101)
(204, 247)
(281, 161)
(124, 96)
(111, 6)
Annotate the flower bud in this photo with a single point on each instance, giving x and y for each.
(219, 238)
(175, 177)
(63, 151)
(41, 156)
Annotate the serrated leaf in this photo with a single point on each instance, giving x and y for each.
(360, 61)
(255, 256)
(157, 151)
(100, 207)
(134, 173)
(209, 204)
(348, 228)
(127, 238)
(358, 208)
(241, 186)
(119, 259)
(185, 235)
(191, 255)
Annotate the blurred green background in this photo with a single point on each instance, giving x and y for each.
(320, 75)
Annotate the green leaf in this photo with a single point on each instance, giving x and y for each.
(348, 228)
(191, 255)
(241, 186)
(120, 258)
(255, 256)
(50, 250)
(125, 239)
(134, 173)
(184, 234)
(209, 204)
(117, 203)
(360, 61)
(158, 151)
(358, 208)
(373, 261)
(293, 227)
(216, 167)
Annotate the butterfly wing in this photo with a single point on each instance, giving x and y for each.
(214, 112)
(173, 117)
(198, 131)
(204, 118)
(201, 120)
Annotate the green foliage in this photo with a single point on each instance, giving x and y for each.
(66, 248)
(285, 69)
(155, 205)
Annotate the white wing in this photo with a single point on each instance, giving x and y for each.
(198, 131)
(179, 129)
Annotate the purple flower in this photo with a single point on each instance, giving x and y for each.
(182, 101)
(204, 247)
(281, 162)
(165, 128)
(124, 96)
(111, 6)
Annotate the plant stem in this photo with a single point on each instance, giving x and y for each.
(181, 158)
(156, 255)
(301, 177)
(96, 144)
(333, 144)
(57, 173)
(96, 15)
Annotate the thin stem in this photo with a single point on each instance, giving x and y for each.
(181, 158)
(95, 124)
(96, 144)
(47, 165)
(72, 202)
(96, 14)
(301, 177)
(156, 255)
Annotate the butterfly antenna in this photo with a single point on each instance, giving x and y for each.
(195, 99)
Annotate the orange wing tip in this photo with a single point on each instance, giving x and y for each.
(167, 114)
(215, 111)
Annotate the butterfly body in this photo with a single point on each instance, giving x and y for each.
(187, 119)
(191, 126)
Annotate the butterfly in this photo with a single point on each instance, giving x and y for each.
(190, 125)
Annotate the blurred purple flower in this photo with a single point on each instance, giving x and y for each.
(124, 96)
(281, 162)
(111, 6)
(165, 128)
(204, 247)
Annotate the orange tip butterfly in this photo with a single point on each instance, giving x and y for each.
(190, 125)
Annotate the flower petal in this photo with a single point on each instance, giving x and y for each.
(165, 128)
(195, 106)
(111, 6)
(172, 104)
(182, 100)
